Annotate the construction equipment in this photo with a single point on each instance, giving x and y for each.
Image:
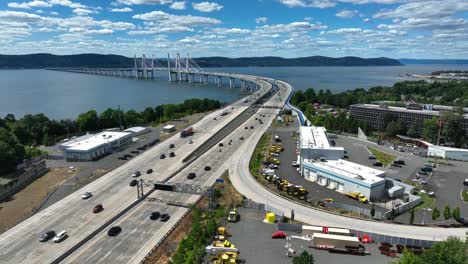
(233, 216)
(357, 196)
(279, 147)
(300, 191)
(224, 257)
(223, 231)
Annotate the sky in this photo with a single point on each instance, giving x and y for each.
(436, 29)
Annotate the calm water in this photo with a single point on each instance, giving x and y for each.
(65, 95)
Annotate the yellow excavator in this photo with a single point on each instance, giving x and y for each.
(233, 216)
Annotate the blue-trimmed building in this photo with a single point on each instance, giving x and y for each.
(344, 176)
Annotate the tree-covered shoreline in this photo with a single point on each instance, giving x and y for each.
(19, 137)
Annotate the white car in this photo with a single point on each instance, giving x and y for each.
(86, 195)
(60, 236)
(190, 141)
(295, 164)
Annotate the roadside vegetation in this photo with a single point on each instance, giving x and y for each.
(427, 201)
(465, 195)
(259, 155)
(20, 137)
(383, 157)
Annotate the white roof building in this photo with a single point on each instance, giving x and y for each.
(136, 131)
(314, 144)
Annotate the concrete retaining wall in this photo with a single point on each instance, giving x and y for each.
(30, 174)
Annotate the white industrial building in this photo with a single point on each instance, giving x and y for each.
(169, 129)
(447, 152)
(136, 131)
(345, 176)
(95, 146)
(314, 144)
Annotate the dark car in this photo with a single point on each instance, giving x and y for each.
(400, 162)
(135, 151)
(133, 183)
(141, 148)
(372, 157)
(377, 164)
(128, 155)
(465, 182)
(191, 176)
(426, 169)
(246, 128)
(122, 158)
(47, 236)
(241, 138)
(251, 127)
(155, 215)
(163, 156)
(346, 156)
(149, 171)
(98, 208)
(396, 165)
(462, 221)
(115, 230)
(171, 146)
(165, 217)
(207, 168)
(172, 154)
(220, 144)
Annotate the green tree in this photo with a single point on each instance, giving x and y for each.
(430, 130)
(110, 118)
(447, 213)
(450, 251)
(394, 128)
(452, 128)
(304, 258)
(456, 213)
(435, 213)
(11, 151)
(408, 257)
(88, 121)
(413, 131)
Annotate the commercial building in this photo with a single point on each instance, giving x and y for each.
(447, 152)
(93, 147)
(345, 176)
(137, 131)
(314, 144)
(375, 115)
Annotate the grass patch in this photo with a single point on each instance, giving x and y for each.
(259, 155)
(426, 202)
(465, 195)
(383, 157)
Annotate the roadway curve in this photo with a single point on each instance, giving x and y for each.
(245, 183)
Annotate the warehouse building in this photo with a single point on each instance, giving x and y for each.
(314, 144)
(447, 152)
(137, 131)
(344, 176)
(93, 147)
(375, 115)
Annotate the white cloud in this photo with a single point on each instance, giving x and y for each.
(82, 11)
(366, 19)
(347, 13)
(142, 2)
(19, 16)
(207, 6)
(54, 13)
(28, 5)
(341, 31)
(185, 20)
(122, 10)
(67, 3)
(308, 3)
(178, 5)
(189, 40)
(261, 20)
(434, 9)
(291, 27)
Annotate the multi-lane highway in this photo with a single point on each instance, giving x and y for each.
(20, 244)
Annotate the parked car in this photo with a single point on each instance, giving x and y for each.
(278, 234)
(372, 157)
(165, 217)
(155, 215)
(191, 176)
(122, 158)
(128, 155)
(98, 208)
(431, 194)
(172, 154)
(377, 164)
(136, 174)
(246, 128)
(135, 151)
(220, 144)
(115, 230)
(251, 127)
(149, 171)
(399, 161)
(241, 138)
(207, 168)
(133, 183)
(171, 146)
(396, 165)
(60, 236)
(163, 156)
(86, 195)
(47, 236)
(422, 172)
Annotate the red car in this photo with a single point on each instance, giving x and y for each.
(98, 208)
(279, 234)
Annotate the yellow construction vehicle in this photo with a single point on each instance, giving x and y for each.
(224, 257)
(233, 216)
(300, 191)
(279, 147)
(223, 231)
(273, 149)
(357, 196)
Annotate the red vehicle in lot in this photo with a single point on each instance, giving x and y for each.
(279, 234)
(98, 208)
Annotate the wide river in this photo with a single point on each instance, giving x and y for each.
(65, 95)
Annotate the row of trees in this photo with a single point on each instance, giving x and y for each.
(18, 137)
(448, 213)
(450, 251)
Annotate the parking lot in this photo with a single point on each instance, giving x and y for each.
(253, 239)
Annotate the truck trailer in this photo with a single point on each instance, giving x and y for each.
(186, 132)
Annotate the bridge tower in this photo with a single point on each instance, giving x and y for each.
(169, 66)
(178, 68)
(136, 66)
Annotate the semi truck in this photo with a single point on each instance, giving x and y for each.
(186, 132)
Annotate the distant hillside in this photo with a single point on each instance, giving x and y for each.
(430, 61)
(45, 60)
(305, 61)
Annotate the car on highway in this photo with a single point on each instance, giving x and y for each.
(190, 141)
(149, 171)
(136, 174)
(172, 154)
(171, 146)
(86, 195)
(241, 138)
(98, 208)
(163, 156)
(135, 151)
(155, 215)
(207, 168)
(251, 127)
(465, 182)
(133, 183)
(115, 230)
(122, 158)
(246, 128)
(47, 236)
(60, 236)
(128, 155)
(191, 176)
(220, 144)
(165, 217)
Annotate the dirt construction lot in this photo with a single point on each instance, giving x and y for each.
(22, 204)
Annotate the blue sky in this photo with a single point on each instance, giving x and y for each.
(236, 28)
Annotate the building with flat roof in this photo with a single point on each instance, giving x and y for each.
(93, 147)
(344, 176)
(169, 129)
(314, 144)
(375, 115)
(136, 131)
(447, 152)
